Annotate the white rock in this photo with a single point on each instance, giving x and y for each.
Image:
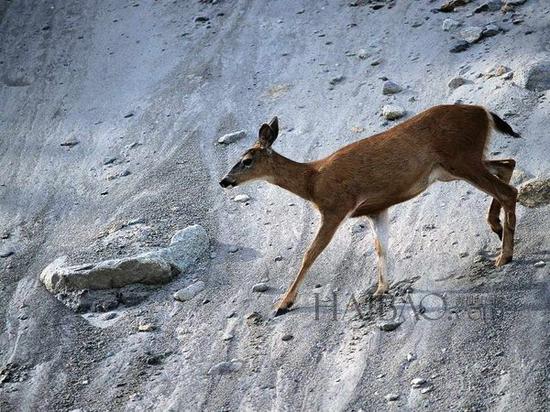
(232, 137)
(241, 198)
(450, 25)
(390, 397)
(535, 76)
(410, 357)
(471, 34)
(417, 382)
(392, 112)
(540, 264)
(189, 292)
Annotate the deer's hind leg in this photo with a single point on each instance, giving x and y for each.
(502, 169)
(505, 195)
(380, 227)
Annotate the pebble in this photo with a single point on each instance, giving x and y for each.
(260, 287)
(459, 46)
(418, 382)
(278, 258)
(463, 254)
(490, 30)
(109, 160)
(410, 357)
(336, 80)
(145, 327)
(189, 292)
(6, 253)
(376, 62)
(540, 264)
(391, 88)
(241, 198)
(109, 316)
(233, 249)
(287, 337)
(223, 368)
(70, 142)
(426, 390)
(392, 112)
(253, 318)
(232, 137)
(456, 82)
(450, 25)
(534, 192)
(362, 54)
(201, 19)
(493, 5)
(471, 34)
(389, 326)
(390, 397)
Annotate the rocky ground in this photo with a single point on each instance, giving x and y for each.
(117, 120)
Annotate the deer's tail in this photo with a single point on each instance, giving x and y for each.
(502, 126)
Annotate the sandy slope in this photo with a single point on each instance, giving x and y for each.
(75, 70)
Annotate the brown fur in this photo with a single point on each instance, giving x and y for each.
(365, 178)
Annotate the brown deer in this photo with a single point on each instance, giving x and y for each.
(365, 178)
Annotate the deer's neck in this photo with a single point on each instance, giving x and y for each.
(293, 176)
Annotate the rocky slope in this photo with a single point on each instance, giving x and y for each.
(110, 115)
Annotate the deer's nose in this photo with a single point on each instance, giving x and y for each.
(226, 182)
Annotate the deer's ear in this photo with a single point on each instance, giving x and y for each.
(274, 124)
(267, 134)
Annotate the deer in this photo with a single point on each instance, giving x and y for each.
(365, 178)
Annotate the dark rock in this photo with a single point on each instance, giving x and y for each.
(459, 46)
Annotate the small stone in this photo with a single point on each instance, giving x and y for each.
(418, 382)
(463, 254)
(450, 25)
(253, 318)
(6, 253)
(456, 82)
(535, 76)
(127, 116)
(109, 316)
(224, 368)
(497, 70)
(389, 326)
(534, 193)
(241, 198)
(391, 88)
(514, 2)
(232, 137)
(336, 80)
(376, 62)
(426, 389)
(278, 258)
(201, 19)
(392, 112)
(362, 54)
(287, 337)
(390, 397)
(471, 34)
(233, 249)
(189, 292)
(459, 46)
(109, 160)
(410, 357)
(145, 327)
(357, 228)
(70, 142)
(490, 30)
(493, 5)
(260, 287)
(540, 264)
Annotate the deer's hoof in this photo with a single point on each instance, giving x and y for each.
(502, 260)
(281, 311)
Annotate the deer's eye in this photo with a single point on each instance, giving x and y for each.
(247, 162)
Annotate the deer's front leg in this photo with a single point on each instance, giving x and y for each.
(329, 224)
(381, 227)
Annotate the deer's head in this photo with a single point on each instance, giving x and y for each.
(256, 162)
